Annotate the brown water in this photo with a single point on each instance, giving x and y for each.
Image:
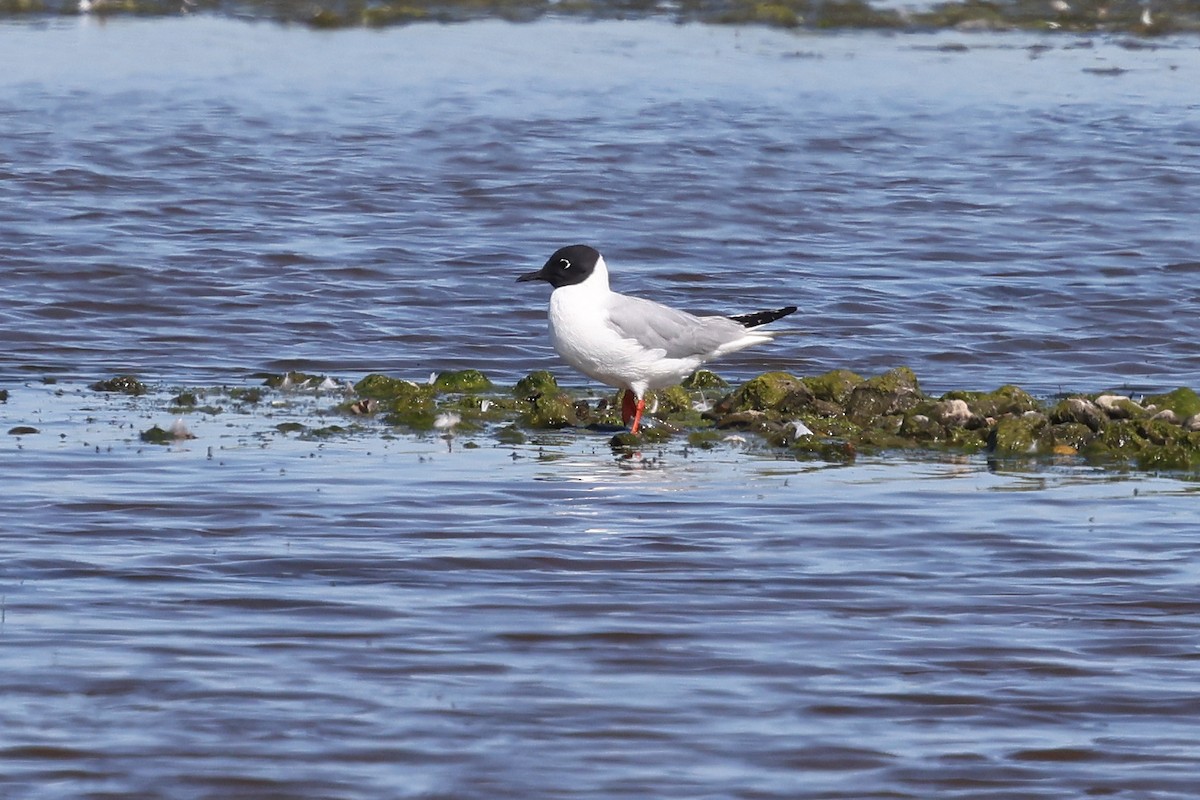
(381, 615)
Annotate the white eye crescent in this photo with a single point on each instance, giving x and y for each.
(565, 263)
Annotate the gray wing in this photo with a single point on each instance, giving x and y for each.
(677, 333)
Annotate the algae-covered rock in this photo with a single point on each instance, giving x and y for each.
(625, 441)
(1064, 438)
(894, 392)
(673, 400)
(157, 435)
(293, 380)
(251, 395)
(535, 384)
(409, 405)
(1007, 399)
(1079, 410)
(467, 380)
(750, 419)
(1147, 444)
(767, 392)
(383, 387)
(414, 417)
(953, 413)
(832, 451)
(510, 434)
(705, 439)
(123, 384)
(922, 428)
(834, 386)
(1016, 435)
(555, 410)
(1184, 402)
(702, 379)
(1118, 406)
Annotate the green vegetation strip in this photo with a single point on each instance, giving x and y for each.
(1130, 16)
(832, 417)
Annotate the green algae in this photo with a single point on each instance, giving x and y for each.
(467, 380)
(551, 411)
(834, 386)
(535, 384)
(889, 394)
(157, 435)
(836, 417)
(382, 387)
(1079, 16)
(1182, 401)
(1005, 400)
(702, 379)
(292, 380)
(121, 384)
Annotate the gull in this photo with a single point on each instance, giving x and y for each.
(631, 343)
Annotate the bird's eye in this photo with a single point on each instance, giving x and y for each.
(565, 263)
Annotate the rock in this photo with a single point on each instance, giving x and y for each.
(1118, 406)
(891, 393)
(1007, 399)
(1192, 423)
(124, 384)
(954, 412)
(1184, 402)
(743, 420)
(1016, 435)
(551, 411)
(673, 400)
(834, 386)
(922, 428)
(177, 432)
(467, 380)
(381, 387)
(1167, 415)
(1079, 409)
(534, 384)
(1065, 438)
(703, 379)
(767, 392)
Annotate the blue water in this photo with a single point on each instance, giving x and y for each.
(362, 201)
(380, 614)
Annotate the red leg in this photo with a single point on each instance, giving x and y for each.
(637, 417)
(628, 406)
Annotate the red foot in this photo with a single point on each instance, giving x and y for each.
(637, 418)
(631, 409)
(628, 406)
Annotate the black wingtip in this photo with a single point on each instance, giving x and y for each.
(763, 317)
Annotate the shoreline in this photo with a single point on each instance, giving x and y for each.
(835, 417)
(1079, 16)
